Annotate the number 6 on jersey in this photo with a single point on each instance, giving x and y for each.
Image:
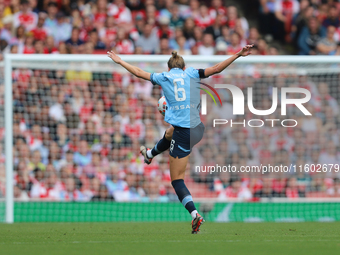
(176, 89)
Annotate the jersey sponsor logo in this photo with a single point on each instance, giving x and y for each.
(181, 107)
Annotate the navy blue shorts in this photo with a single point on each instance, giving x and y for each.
(183, 139)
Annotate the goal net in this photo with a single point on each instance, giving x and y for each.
(79, 121)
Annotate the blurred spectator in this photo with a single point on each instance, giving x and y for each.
(90, 133)
(284, 13)
(103, 195)
(164, 30)
(148, 41)
(332, 17)
(327, 45)
(300, 19)
(40, 32)
(254, 36)
(94, 38)
(164, 47)
(221, 48)
(77, 100)
(188, 29)
(310, 37)
(52, 10)
(120, 140)
(50, 45)
(25, 16)
(123, 45)
(182, 47)
(217, 8)
(267, 17)
(203, 19)
(108, 33)
(6, 31)
(56, 111)
(61, 29)
(20, 195)
(176, 20)
(105, 145)
(74, 41)
(72, 119)
(216, 28)
(266, 190)
(235, 44)
(135, 128)
(18, 40)
(83, 156)
(54, 186)
(100, 13)
(235, 190)
(35, 162)
(334, 190)
(71, 193)
(233, 18)
(95, 168)
(28, 46)
(38, 189)
(292, 190)
(61, 137)
(207, 46)
(34, 139)
(120, 12)
(67, 161)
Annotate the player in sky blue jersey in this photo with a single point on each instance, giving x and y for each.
(180, 85)
(180, 88)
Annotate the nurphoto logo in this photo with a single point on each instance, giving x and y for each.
(238, 105)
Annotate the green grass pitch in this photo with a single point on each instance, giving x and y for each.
(170, 238)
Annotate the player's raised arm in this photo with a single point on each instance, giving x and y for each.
(246, 51)
(132, 69)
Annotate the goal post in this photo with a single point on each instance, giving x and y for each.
(9, 139)
(243, 68)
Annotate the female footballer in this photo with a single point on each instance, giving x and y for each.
(182, 113)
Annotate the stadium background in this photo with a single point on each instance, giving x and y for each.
(77, 133)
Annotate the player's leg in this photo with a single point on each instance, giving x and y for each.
(177, 172)
(181, 144)
(160, 147)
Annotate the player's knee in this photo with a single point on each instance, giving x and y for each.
(177, 175)
(168, 133)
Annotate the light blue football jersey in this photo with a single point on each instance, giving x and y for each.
(182, 94)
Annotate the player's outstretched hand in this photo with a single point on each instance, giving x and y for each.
(114, 57)
(246, 51)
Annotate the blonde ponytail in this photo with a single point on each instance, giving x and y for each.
(176, 61)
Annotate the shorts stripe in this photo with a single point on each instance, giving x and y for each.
(183, 149)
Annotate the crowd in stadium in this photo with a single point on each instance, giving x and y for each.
(79, 140)
(77, 136)
(307, 27)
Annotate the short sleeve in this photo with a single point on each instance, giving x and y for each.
(157, 78)
(195, 73)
